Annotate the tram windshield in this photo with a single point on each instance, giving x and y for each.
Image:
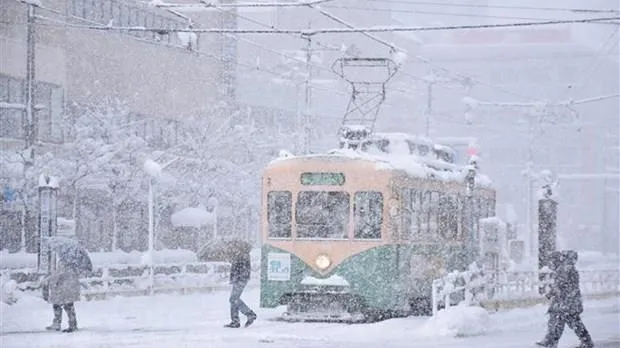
(322, 214)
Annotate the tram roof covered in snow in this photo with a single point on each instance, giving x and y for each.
(417, 156)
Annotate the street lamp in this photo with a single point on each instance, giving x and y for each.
(153, 169)
(212, 204)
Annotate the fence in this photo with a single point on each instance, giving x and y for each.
(513, 289)
(136, 280)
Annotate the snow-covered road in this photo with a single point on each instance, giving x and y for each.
(197, 321)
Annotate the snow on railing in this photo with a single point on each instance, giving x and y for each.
(473, 287)
(132, 280)
(456, 287)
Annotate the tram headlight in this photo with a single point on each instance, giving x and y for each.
(322, 262)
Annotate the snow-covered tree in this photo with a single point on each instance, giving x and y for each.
(104, 156)
(23, 173)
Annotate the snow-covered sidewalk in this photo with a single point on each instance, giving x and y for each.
(197, 321)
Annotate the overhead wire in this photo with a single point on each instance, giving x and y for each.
(282, 54)
(471, 15)
(198, 52)
(506, 7)
(590, 69)
(320, 31)
(463, 78)
(468, 78)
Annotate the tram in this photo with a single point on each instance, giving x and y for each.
(359, 234)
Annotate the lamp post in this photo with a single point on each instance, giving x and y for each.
(212, 204)
(154, 170)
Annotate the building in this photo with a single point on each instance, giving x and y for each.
(160, 77)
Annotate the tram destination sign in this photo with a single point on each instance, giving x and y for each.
(322, 178)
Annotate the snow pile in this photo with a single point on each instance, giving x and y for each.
(400, 157)
(192, 217)
(334, 280)
(457, 321)
(8, 291)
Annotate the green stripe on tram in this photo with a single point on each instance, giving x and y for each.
(380, 275)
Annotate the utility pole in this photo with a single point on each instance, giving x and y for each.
(429, 105)
(30, 126)
(308, 96)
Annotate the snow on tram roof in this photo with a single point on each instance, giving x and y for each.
(411, 164)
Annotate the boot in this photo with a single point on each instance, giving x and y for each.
(586, 344)
(547, 344)
(70, 309)
(233, 324)
(251, 318)
(57, 319)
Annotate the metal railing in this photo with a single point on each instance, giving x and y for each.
(135, 280)
(513, 289)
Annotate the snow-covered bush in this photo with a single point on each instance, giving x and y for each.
(458, 321)
(9, 291)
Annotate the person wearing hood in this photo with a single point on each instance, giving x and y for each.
(62, 290)
(566, 304)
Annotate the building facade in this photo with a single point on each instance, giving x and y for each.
(160, 77)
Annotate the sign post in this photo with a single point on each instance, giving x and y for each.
(48, 191)
(547, 224)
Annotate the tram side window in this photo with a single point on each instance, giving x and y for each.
(433, 221)
(448, 216)
(405, 216)
(279, 214)
(414, 214)
(368, 215)
(425, 212)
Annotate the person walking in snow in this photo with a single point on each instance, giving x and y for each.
(239, 277)
(566, 304)
(62, 290)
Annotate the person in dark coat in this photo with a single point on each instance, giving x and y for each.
(62, 291)
(239, 277)
(566, 305)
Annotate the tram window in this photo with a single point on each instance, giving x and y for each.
(429, 207)
(433, 225)
(414, 214)
(406, 211)
(279, 214)
(322, 214)
(368, 214)
(448, 216)
(425, 212)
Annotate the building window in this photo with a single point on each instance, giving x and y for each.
(49, 105)
(11, 107)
